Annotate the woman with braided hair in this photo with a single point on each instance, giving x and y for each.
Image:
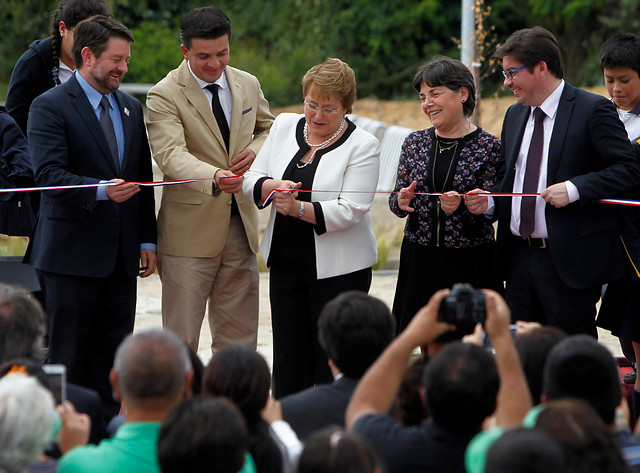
(44, 65)
(48, 62)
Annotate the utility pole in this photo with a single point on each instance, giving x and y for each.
(468, 49)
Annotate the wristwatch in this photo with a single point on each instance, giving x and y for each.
(215, 190)
(301, 211)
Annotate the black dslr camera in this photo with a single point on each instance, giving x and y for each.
(464, 307)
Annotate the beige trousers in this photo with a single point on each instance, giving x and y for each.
(228, 282)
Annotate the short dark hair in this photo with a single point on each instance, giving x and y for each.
(204, 23)
(579, 367)
(151, 366)
(621, 50)
(201, 435)
(461, 386)
(533, 348)
(353, 330)
(335, 451)
(94, 33)
(525, 451)
(450, 73)
(21, 324)
(588, 444)
(533, 45)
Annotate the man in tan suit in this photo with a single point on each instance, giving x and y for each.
(208, 120)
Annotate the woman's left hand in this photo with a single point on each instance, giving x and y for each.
(286, 202)
(450, 201)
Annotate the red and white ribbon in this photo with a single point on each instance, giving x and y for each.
(627, 202)
(101, 184)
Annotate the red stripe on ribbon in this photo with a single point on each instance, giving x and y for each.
(633, 203)
(103, 184)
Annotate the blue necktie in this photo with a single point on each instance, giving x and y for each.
(109, 133)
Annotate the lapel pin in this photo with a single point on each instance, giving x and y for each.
(126, 111)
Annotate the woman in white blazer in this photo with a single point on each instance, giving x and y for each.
(319, 241)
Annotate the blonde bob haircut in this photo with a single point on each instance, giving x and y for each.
(332, 77)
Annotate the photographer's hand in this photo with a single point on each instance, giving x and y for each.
(498, 317)
(514, 398)
(425, 326)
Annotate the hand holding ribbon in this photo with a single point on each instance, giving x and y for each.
(450, 201)
(285, 197)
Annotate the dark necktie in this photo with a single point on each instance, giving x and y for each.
(219, 114)
(109, 133)
(532, 175)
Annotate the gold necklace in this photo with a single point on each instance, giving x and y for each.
(442, 145)
(447, 145)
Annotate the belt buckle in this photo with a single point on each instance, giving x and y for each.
(537, 242)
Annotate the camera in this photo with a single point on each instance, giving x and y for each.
(464, 307)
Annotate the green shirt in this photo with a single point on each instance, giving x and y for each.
(131, 450)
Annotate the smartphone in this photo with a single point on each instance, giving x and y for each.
(57, 376)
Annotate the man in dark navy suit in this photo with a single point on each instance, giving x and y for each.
(556, 250)
(354, 329)
(90, 244)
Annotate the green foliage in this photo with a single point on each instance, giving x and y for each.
(13, 246)
(280, 81)
(383, 40)
(21, 22)
(154, 53)
(164, 13)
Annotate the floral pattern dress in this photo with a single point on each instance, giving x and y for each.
(441, 249)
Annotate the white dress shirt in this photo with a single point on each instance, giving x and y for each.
(224, 93)
(550, 108)
(64, 72)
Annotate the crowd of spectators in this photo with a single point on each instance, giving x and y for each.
(521, 405)
(529, 390)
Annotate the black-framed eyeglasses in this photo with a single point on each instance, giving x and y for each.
(509, 74)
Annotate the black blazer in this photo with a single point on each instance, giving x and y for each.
(589, 146)
(76, 234)
(31, 76)
(318, 407)
(16, 216)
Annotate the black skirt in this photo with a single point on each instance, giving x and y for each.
(427, 269)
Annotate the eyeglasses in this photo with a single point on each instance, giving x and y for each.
(509, 74)
(314, 108)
